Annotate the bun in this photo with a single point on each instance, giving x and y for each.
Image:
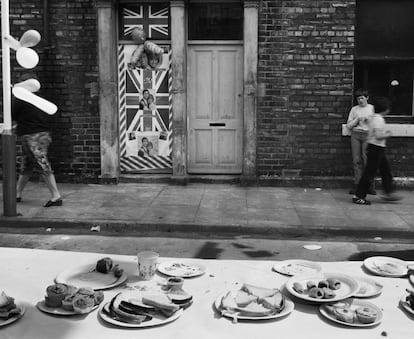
(316, 293)
(334, 284)
(345, 314)
(83, 304)
(366, 315)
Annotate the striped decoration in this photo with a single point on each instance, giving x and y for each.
(159, 120)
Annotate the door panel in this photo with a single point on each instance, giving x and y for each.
(215, 112)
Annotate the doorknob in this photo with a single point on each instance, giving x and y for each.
(217, 124)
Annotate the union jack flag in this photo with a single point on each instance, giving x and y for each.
(153, 19)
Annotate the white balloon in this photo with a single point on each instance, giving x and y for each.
(43, 104)
(26, 57)
(32, 85)
(30, 38)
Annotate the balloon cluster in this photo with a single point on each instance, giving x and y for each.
(147, 55)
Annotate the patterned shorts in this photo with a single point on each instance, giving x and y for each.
(34, 147)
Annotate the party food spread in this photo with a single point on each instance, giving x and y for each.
(72, 299)
(253, 301)
(8, 308)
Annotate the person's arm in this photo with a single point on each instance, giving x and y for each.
(352, 119)
(379, 130)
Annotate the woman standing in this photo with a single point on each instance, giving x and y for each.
(358, 124)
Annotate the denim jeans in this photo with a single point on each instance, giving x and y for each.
(359, 154)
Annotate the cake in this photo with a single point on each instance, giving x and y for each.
(104, 265)
(7, 306)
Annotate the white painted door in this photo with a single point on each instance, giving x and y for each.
(215, 112)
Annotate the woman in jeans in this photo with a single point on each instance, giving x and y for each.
(358, 124)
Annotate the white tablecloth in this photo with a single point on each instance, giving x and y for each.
(26, 273)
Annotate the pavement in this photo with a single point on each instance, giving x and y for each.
(215, 209)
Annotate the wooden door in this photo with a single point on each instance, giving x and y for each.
(215, 112)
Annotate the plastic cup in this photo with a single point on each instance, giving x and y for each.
(147, 264)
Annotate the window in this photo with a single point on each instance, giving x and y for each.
(384, 56)
(215, 21)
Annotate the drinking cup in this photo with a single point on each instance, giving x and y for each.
(147, 264)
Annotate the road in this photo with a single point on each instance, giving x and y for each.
(235, 247)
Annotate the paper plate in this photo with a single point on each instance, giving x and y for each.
(348, 286)
(86, 275)
(386, 266)
(59, 310)
(155, 321)
(355, 304)
(181, 269)
(367, 287)
(297, 267)
(289, 307)
(4, 322)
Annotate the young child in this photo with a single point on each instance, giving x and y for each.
(357, 124)
(376, 159)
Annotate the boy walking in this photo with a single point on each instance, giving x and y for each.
(376, 159)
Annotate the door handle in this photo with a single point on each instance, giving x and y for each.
(217, 124)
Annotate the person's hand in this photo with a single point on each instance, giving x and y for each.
(388, 133)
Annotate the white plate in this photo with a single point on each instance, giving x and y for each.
(86, 275)
(405, 305)
(297, 267)
(289, 306)
(348, 286)
(355, 304)
(155, 321)
(59, 310)
(386, 266)
(4, 322)
(367, 287)
(181, 269)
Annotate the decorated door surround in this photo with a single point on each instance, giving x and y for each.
(109, 96)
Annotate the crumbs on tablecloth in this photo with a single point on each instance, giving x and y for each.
(384, 333)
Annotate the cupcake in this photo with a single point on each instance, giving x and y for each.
(87, 291)
(98, 297)
(83, 304)
(55, 294)
(67, 303)
(366, 315)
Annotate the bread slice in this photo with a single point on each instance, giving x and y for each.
(161, 302)
(275, 302)
(254, 309)
(260, 292)
(243, 298)
(228, 302)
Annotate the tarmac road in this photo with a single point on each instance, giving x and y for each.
(237, 247)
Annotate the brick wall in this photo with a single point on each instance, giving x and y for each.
(305, 78)
(68, 73)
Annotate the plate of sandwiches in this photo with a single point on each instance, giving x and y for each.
(140, 310)
(353, 313)
(322, 288)
(68, 300)
(181, 269)
(100, 275)
(10, 310)
(386, 266)
(297, 267)
(253, 303)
